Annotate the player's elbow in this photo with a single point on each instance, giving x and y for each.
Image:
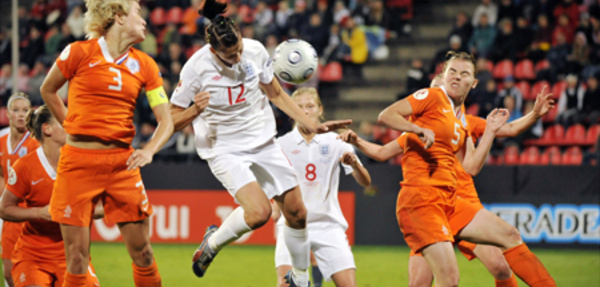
(472, 170)
(383, 117)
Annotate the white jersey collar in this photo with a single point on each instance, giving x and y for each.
(45, 163)
(106, 54)
(298, 138)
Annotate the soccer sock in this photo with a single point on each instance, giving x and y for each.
(146, 276)
(232, 228)
(297, 244)
(510, 282)
(528, 267)
(74, 280)
(317, 276)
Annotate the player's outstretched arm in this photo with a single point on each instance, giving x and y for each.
(393, 117)
(11, 211)
(182, 117)
(375, 151)
(49, 91)
(163, 132)
(474, 158)
(359, 172)
(543, 104)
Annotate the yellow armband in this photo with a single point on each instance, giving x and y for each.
(157, 96)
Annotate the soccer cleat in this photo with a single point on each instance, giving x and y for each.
(289, 278)
(204, 255)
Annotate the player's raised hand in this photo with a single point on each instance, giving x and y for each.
(139, 158)
(332, 125)
(348, 158)
(496, 119)
(201, 101)
(543, 103)
(348, 136)
(427, 136)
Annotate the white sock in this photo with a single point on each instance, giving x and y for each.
(232, 228)
(297, 244)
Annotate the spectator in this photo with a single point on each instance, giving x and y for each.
(332, 51)
(488, 8)
(361, 12)
(263, 20)
(340, 12)
(5, 83)
(373, 28)
(149, 45)
(52, 41)
(585, 27)
(440, 56)
(325, 12)
(505, 43)
(510, 104)
(580, 54)
(23, 79)
(144, 134)
(356, 48)
(463, 28)
(185, 141)
(248, 31)
(508, 10)
(524, 34)
(191, 18)
(298, 19)
(281, 18)
(563, 27)
(316, 34)
(543, 7)
(542, 39)
(570, 103)
(486, 98)
(35, 82)
(24, 22)
(271, 43)
(557, 56)
(75, 22)
(400, 12)
(482, 39)
(509, 90)
(35, 47)
(66, 37)
(570, 9)
(591, 102)
(173, 54)
(416, 77)
(5, 47)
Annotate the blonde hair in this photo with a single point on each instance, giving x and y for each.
(100, 15)
(437, 77)
(312, 92)
(17, 96)
(451, 55)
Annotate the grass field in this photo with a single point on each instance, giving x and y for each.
(377, 266)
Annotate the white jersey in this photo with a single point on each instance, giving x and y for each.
(238, 116)
(317, 166)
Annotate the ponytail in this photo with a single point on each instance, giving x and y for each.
(222, 31)
(36, 119)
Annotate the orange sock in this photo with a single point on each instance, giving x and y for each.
(73, 280)
(146, 276)
(510, 282)
(528, 267)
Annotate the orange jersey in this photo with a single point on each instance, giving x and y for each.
(432, 109)
(103, 91)
(32, 179)
(8, 156)
(466, 186)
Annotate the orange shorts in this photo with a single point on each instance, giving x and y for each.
(10, 233)
(429, 214)
(85, 176)
(46, 273)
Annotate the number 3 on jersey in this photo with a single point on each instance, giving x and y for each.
(311, 170)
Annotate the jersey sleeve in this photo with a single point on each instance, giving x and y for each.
(153, 78)
(69, 59)
(18, 179)
(187, 88)
(475, 125)
(348, 148)
(421, 100)
(266, 63)
(401, 140)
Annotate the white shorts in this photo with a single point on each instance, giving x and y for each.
(330, 247)
(266, 165)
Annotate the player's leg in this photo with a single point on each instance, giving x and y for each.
(6, 268)
(77, 253)
(419, 273)
(137, 240)
(283, 261)
(487, 228)
(317, 276)
(334, 255)
(442, 261)
(345, 278)
(493, 259)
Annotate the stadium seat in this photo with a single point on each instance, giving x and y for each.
(542, 65)
(158, 16)
(524, 70)
(331, 73)
(550, 117)
(537, 88)
(558, 88)
(551, 156)
(490, 65)
(473, 109)
(379, 133)
(503, 69)
(530, 156)
(397, 160)
(553, 135)
(525, 88)
(575, 135)
(511, 155)
(592, 135)
(175, 15)
(393, 134)
(4, 121)
(572, 156)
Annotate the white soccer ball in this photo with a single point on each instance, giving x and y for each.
(295, 61)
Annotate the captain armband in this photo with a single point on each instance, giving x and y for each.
(157, 96)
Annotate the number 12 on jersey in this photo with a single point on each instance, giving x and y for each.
(240, 97)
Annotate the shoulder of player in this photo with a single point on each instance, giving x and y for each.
(141, 55)
(26, 163)
(252, 47)
(198, 62)
(428, 92)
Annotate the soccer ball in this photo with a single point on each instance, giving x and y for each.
(295, 61)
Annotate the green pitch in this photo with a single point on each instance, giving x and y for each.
(378, 266)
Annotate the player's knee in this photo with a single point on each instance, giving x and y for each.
(514, 237)
(258, 217)
(419, 281)
(501, 270)
(143, 255)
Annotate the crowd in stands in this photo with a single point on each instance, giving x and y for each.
(521, 45)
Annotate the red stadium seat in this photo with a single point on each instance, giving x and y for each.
(398, 160)
(572, 156)
(530, 156)
(158, 16)
(4, 121)
(551, 156)
(503, 69)
(379, 133)
(473, 109)
(553, 135)
(537, 88)
(331, 73)
(550, 117)
(393, 134)
(542, 65)
(575, 135)
(490, 65)
(524, 70)
(511, 155)
(175, 15)
(592, 135)
(558, 88)
(525, 88)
